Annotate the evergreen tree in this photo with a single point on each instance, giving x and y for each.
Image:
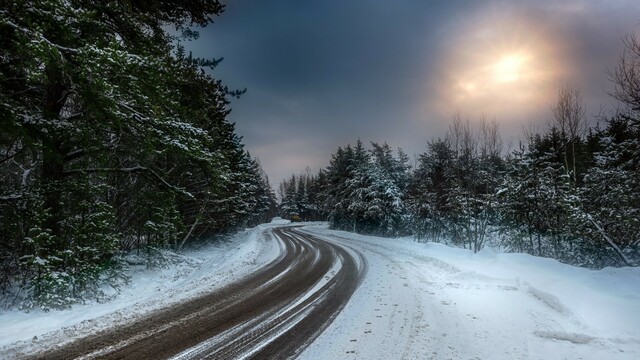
(113, 139)
(428, 190)
(609, 218)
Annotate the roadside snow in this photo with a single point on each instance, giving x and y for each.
(190, 274)
(417, 301)
(430, 301)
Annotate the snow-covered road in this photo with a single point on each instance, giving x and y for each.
(429, 301)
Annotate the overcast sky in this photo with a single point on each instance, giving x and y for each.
(325, 73)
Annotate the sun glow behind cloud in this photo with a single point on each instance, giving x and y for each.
(500, 66)
(510, 68)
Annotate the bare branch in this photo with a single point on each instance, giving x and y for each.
(626, 76)
(611, 243)
(568, 113)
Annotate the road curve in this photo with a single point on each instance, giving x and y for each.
(273, 314)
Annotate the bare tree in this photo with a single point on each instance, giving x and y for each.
(462, 137)
(529, 132)
(455, 132)
(626, 76)
(490, 140)
(569, 117)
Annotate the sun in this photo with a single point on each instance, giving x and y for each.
(497, 74)
(499, 64)
(509, 68)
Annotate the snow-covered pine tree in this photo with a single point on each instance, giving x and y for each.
(428, 190)
(609, 216)
(113, 138)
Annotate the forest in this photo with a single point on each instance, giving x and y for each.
(116, 140)
(113, 140)
(569, 192)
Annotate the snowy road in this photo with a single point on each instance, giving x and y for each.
(317, 294)
(274, 313)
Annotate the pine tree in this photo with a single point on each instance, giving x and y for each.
(113, 139)
(609, 215)
(428, 191)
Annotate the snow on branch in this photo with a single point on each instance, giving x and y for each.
(10, 197)
(188, 235)
(134, 169)
(10, 156)
(39, 37)
(608, 239)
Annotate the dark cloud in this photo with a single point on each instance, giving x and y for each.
(325, 73)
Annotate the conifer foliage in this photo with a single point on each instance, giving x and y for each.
(570, 192)
(112, 139)
(466, 191)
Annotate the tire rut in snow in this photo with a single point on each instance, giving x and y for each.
(274, 313)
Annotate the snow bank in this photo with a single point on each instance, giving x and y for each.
(606, 302)
(188, 275)
(280, 221)
(487, 305)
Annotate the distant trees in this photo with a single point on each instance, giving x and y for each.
(112, 139)
(428, 191)
(536, 194)
(365, 190)
(465, 190)
(301, 197)
(360, 190)
(570, 192)
(452, 192)
(569, 121)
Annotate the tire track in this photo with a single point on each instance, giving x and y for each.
(274, 313)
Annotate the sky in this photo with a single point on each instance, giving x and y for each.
(323, 74)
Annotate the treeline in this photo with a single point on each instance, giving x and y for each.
(570, 192)
(464, 192)
(113, 139)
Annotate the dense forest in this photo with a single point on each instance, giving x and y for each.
(113, 140)
(570, 192)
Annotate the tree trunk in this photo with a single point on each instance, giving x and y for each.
(52, 173)
(52, 153)
(566, 159)
(573, 154)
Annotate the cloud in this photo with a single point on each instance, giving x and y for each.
(327, 73)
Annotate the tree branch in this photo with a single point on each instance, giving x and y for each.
(11, 156)
(193, 226)
(40, 37)
(10, 197)
(610, 241)
(134, 169)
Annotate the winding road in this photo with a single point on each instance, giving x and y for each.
(273, 314)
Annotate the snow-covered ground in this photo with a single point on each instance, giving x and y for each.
(186, 276)
(416, 301)
(430, 301)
